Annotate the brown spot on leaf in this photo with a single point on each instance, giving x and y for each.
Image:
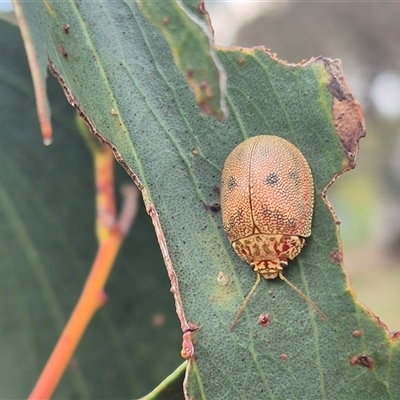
(395, 335)
(63, 51)
(207, 89)
(215, 207)
(241, 60)
(336, 256)
(264, 320)
(195, 152)
(206, 108)
(364, 361)
(346, 110)
(66, 28)
(356, 333)
(284, 357)
(336, 90)
(165, 20)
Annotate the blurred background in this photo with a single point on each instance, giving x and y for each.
(366, 37)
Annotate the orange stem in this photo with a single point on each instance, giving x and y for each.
(110, 233)
(38, 76)
(92, 298)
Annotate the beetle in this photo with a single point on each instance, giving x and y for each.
(267, 202)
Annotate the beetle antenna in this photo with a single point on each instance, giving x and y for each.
(246, 300)
(307, 299)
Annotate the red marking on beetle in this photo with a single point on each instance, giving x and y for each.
(364, 360)
(285, 248)
(264, 320)
(356, 333)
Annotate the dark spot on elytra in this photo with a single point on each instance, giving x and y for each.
(235, 219)
(295, 176)
(272, 179)
(278, 216)
(291, 222)
(267, 212)
(231, 184)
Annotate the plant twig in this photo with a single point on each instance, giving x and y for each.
(110, 233)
